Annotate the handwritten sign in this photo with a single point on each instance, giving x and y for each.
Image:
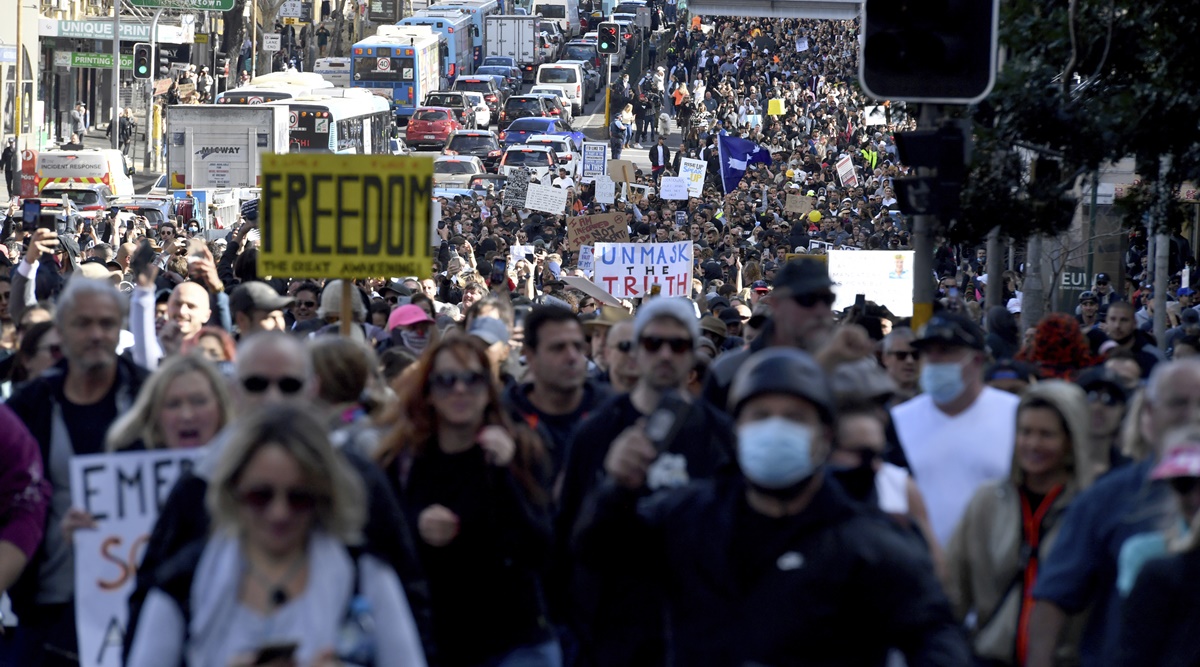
(516, 188)
(798, 204)
(590, 229)
(124, 493)
(595, 159)
(546, 198)
(587, 260)
(519, 252)
(673, 187)
(606, 190)
(694, 171)
(630, 270)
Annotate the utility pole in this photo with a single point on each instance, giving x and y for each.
(20, 101)
(923, 279)
(148, 157)
(1160, 206)
(114, 125)
(253, 38)
(994, 295)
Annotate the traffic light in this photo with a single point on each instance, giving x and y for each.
(164, 64)
(143, 55)
(607, 39)
(222, 65)
(929, 50)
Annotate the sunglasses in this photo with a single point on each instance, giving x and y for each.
(257, 384)
(54, 350)
(307, 304)
(1184, 485)
(677, 345)
(625, 346)
(472, 380)
(1104, 398)
(906, 355)
(259, 498)
(810, 299)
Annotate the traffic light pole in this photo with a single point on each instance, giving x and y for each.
(148, 157)
(923, 226)
(607, 93)
(114, 127)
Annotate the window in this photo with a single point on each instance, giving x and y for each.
(522, 158)
(431, 115)
(530, 125)
(551, 11)
(557, 75)
(524, 104)
(473, 144)
(453, 167)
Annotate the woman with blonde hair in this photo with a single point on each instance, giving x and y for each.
(183, 404)
(1011, 525)
(280, 579)
(628, 119)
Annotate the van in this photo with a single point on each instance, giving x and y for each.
(567, 77)
(334, 70)
(106, 166)
(565, 12)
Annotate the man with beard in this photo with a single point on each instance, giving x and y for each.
(777, 565)
(1120, 326)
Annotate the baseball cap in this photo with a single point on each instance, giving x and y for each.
(489, 330)
(1099, 378)
(1181, 460)
(407, 315)
(951, 329)
(1103, 279)
(760, 286)
(1185, 291)
(803, 276)
(257, 295)
(713, 325)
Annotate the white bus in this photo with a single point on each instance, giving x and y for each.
(334, 70)
(275, 86)
(350, 121)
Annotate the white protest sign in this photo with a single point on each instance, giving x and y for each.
(546, 198)
(846, 172)
(606, 190)
(435, 218)
(272, 42)
(884, 276)
(630, 270)
(587, 261)
(673, 187)
(595, 159)
(123, 493)
(693, 170)
(518, 252)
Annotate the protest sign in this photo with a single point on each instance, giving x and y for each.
(516, 187)
(681, 218)
(606, 190)
(124, 493)
(847, 174)
(622, 171)
(673, 187)
(591, 289)
(595, 159)
(518, 252)
(693, 170)
(590, 229)
(546, 198)
(776, 107)
(636, 193)
(345, 216)
(798, 204)
(630, 270)
(885, 276)
(435, 219)
(587, 261)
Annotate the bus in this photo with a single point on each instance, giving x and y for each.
(405, 68)
(274, 86)
(334, 70)
(455, 26)
(349, 121)
(479, 11)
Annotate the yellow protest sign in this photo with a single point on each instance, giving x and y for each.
(776, 107)
(345, 216)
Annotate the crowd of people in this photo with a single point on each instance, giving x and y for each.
(495, 469)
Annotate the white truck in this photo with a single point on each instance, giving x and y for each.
(516, 36)
(218, 146)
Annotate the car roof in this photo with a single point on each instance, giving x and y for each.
(473, 133)
(558, 138)
(455, 158)
(534, 120)
(523, 97)
(446, 109)
(476, 79)
(521, 147)
(97, 187)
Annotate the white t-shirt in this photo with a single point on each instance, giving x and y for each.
(951, 457)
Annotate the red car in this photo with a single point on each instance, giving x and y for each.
(431, 126)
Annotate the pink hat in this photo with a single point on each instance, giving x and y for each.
(1182, 460)
(407, 315)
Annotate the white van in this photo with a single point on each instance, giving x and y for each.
(567, 77)
(566, 12)
(95, 166)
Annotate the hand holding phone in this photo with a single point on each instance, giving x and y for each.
(42, 242)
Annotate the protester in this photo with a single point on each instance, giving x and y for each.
(26, 495)
(182, 405)
(901, 362)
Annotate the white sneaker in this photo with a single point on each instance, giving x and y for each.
(637, 146)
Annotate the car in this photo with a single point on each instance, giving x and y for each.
(581, 50)
(523, 106)
(488, 183)
(451, 193)
(539, 160)
(563, 147)
(555, 102)
(503, 61)
(553, 32)
(456, 100)
(159, 187)
(632, 35)
(155, 208)
(512, 75)
(486, 84)
(453, 171)
(431, 126)
(482, 144)
(483, 113)
(590, 75)
(89, 200)
(568, 77)
(522, 128)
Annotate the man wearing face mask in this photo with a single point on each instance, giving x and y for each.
(774, 566)
(958, 434)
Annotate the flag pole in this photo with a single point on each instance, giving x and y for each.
(721, 165)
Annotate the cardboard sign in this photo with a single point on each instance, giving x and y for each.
(798, 204)
(345, 216)
(595, 159)
(847, 174)
(622, 171)
(630, 270)
(123, 492)
(591, 289)
(673, 188)
(606, 190)
(587, 260)
(636, 193)
(590, 229)
(546, 198)
(694, 171)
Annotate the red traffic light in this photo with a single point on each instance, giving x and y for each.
(607, 41)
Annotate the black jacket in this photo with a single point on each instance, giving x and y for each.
(1160, 619)
(554, 430)
(837, 584)
(654, 161)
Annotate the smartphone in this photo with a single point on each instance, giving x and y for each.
(499, 266)
(275, 651)
(860, 304)
(142, 258)
(195, 250)
(667, 419)
(31, 214)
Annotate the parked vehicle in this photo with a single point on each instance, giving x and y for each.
(521, 129)
(581, 50)
(565, 12)
(483, 113)
(516, 37)
(569, 78)
(555, 102)
(523, 106)
(485, 85)
(563, 147)
(591, 76)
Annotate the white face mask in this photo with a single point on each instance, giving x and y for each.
(775, 453)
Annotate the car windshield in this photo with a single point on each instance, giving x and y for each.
(444, 100)
(553, 145)
(472, 144)
(520, 158)
(474, 86)
(551, 11)
(528, 125)
(494, 70)
(78, 197)
(453, 167)
(579, 52)
(524, 104)
(430, 115)
(503, 61)
(547, 26)
(557, 75)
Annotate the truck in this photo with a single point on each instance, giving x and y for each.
(88, 167)
(518, 37)
(218, 146)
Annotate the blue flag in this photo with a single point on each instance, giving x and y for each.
(735, 155)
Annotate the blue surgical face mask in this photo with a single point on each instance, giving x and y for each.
(943, 382)
(775, 453)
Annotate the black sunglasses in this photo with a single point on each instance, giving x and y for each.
(260, 498)
(625, 346)
(257, 384)
(810, 299)
(307, 304)
(677, 345)
(447, 381)
(905, 355)
(1103, 397)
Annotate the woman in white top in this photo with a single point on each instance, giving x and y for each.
(278, 576)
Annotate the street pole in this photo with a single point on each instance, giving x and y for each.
(253, 38)
(994, 295)
(1162, 246)
(1091, 232)
(114, 125)
(923, 244)
(148, 157)
(607, 93)
(20, 101)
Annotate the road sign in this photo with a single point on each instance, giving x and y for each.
(296, 9)
(205, 5)
(346, 216)
(271, 42)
